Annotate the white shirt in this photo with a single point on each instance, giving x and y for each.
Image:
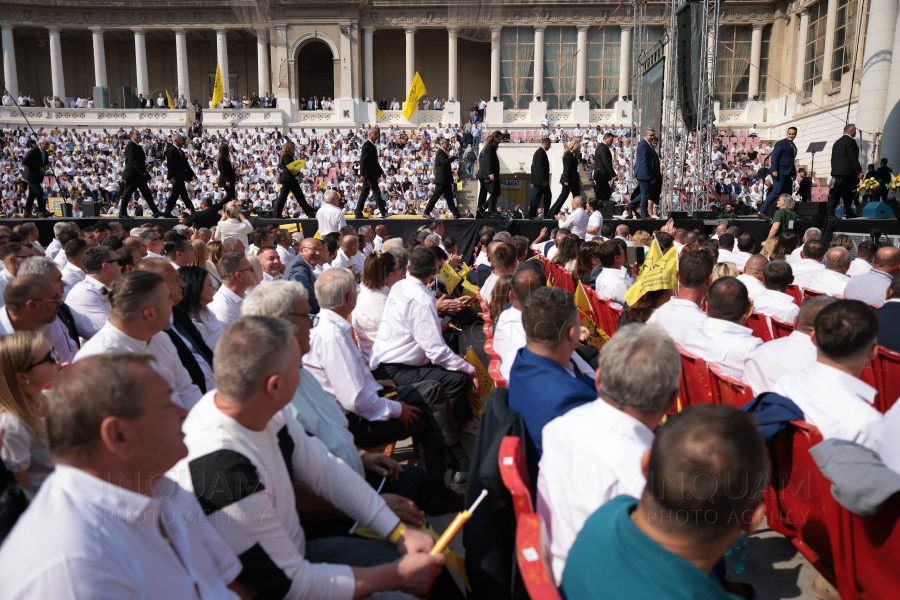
(57, 334)
(70, 276)
(233, 228)
(87, 298)
(592, 454)
(766, 365)
(837, 403)
(330, 219)
(367, 317)
(858, 267)
(805, 271)
(5, 278)
(209, 327)
(410, 332)
(754, 286)
(795, 255)
(595, 220)
(727, 256)
(889, 441)
(722, 343)
(338, 365)
(577, 222)
(165, 359)
(284, 254)
(628, 242)
(612, 284)
(342, 261)
(85, 538)
(488, 287)
(829, 282)
(773, 303)
(53, 249)
(677, 317)
(740, 259)
(225, 305)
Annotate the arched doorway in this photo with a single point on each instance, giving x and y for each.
(315, 71)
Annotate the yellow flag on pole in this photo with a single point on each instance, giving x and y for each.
(581, 300)
(379, 112)
(657, 273)
(416, 91)
(487, 384)
(598, 337)
(169, 99)
(219, 88)
(451, 277)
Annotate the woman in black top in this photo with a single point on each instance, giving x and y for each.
(227, 176)
(290, 184)
(569, 178)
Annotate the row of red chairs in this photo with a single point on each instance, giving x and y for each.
(605, 315)
(488, 329)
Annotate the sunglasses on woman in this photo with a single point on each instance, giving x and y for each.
(51, 357)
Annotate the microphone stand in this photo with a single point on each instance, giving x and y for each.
(58, 184)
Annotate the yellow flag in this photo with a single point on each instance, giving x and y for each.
(169, 99)
(465, 268)
(318, 236)
(581, 300)
(416, 91)
(487, 384)
(468, 289)
(380, 112)
(598, 336)
(451, 277)
(296, 166)
(657, 273)
(219, 88)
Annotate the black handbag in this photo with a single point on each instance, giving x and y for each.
(14, 499)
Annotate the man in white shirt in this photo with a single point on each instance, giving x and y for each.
(89, 296)
(67, 545)
(31, 305)
(338, 365)
(726, 248)
(614, 432)
(283, 245)
(346, 255)
(679, 315)
(140, 310)
(577, 221)
(270, 263)
(503, 258)
(237, 278)
(179, 251)
(614, 280)
(811, 234)
(752, 277)
(595, 222)
(245, 455)
(862, 263)
(154, 244)
(55, 247)
(746, 245)
(833, 278)
(14, 254)
(773, 301)
(829, 391)
(329, 216)
(810, 264)
(723, 339)
(766, 365)
(872, 287)
(622, 233)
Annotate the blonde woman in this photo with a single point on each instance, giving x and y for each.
(200, 254)
(233, 224)
(724, 269)
(257, 269)
(215, 250)
(569, 178)
(28, 365)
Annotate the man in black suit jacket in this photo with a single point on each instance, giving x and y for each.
(369, 172)
(846, 172)
(489, 172)
(889, 318)
(805, 183)
(179, 171)
(604, 172)
(540, 179)
(383, 104)
(135, 176)
(443, 179)
(36, 163)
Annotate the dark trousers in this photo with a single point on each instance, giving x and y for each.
(643, 198)
(35, 192)
(370, 185)
(482, 192)
(783, 184)
(602, 191)
(455, 383)
(445, 190)
(131, 185)
(573, 188)
(844, 190)
(292, 187)
(540, 192)
(491, 190)
(178, 189)
(436, 427)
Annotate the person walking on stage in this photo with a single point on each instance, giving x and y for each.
(603, 169)
(646, 171)
(443, 180)
(290, 185)
(846, 172)
(569, 178)
(489, 172)
(135, 176)
(540, 179)
(782, 167)
(36, 163)
(227, 175)
(179, 171)
(369, 173)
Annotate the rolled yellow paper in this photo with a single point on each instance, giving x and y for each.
(450, 532)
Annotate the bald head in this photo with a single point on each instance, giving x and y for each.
(837, 259)
(806, 320)
(755, 266)
(350, 244)
(887, 260)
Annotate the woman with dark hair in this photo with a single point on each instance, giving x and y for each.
(588, 266)
(380, 272)
(290, 184)
(787, 243)
(567, 255)
(227, 176)
(198, 293)
(569, 178)
(645, 306)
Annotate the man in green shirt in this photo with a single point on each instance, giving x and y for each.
(705, 476)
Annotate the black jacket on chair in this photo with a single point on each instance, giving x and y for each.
(135, 162)
(33, 162)
(177, 164)
(570, 170)
(368, 162)
(443, 171)
(845, 157)
(490, 163)
(540, 167)
(603, 165)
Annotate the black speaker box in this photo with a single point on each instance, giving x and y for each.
(494, 214)
(90, 209)
(607, 210)
(703, 215)
(815, 210)
(685, 80)
(680, 215)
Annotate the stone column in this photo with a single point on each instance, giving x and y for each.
(495, 62)
(801, 48)
(280, 73)
(830, 21)
(99, 57)
(181, 63)
(877, 71)
(11, 82)
(755, 57)
(539, 60)
(262, 60)
(410, 31)
(56, 64)
(222, 58)
(140, 59)
(369, 62)
(452, 86)
(890, 147)
(346, 62)
(624, 59)
(581, 62)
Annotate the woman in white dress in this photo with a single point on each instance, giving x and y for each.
(198, 293)
(380, 272)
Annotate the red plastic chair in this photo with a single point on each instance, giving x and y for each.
(808, 293)
(697, 387)
(781, 328)
(887, 378)
(494, 364)
(614, 315)
(869, 550)
(514, 473)
(868, 376)
(760, 328)
(727, 390)
(795, 293)
(531, 556)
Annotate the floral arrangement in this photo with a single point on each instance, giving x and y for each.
(868, 187)
(894, 184)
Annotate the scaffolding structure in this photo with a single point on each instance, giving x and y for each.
(706, 115)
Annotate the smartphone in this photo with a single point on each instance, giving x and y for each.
(635, 254)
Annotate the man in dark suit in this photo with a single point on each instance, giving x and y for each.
(646, 172)
(443, 179)
(369, 172)
(135, 176)
(383, 104)
(846, 171)
(300, 269)
(805, 183)
(889, 318)
(179, 171)
(489, 172)
(604, 172)
(782, 168)
(540, 179)
(884, 174)
(36, 163)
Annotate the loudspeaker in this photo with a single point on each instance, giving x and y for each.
(129, 97)
(607, 210)
(101, 97)
(66, 210)
(680, 215)
(704, 215)
(691, 26)
(816, 210)
(90, 209)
